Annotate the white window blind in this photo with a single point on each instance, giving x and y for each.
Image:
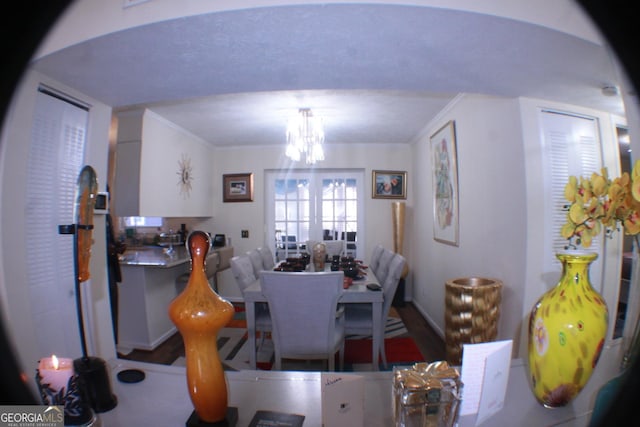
(56, 156)
(572, 148)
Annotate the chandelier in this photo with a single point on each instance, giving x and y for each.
(305, 137)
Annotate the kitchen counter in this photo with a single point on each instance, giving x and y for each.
(154, 256)
(151, 279)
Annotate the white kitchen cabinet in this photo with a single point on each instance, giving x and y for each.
(161, 169)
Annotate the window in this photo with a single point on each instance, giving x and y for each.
(573, 147)
(318, 205)
(143, 221)
(626, 164)
(56, 156)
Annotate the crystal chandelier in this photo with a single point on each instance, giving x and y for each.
(305, 137)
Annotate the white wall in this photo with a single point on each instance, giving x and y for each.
(231, 218)
(493, 219)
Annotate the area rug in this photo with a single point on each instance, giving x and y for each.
(233, 349)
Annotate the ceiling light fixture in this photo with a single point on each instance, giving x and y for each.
(305, 136)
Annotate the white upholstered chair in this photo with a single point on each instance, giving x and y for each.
(267, 258)
(375, 258)
(308, 246)
(358, 320)
(307, 324)
(256, 261)
(383, 266)
(335, 247)
(242, 270)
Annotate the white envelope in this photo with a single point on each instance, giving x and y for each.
(485, 374)
(342, 400)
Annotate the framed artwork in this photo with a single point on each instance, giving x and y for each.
(237, 187)
(389, 185)
(445, 184)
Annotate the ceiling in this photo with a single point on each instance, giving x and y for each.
(375, 73)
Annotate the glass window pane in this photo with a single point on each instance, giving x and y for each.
(292, 211)
(292, 188)
(351, 190)
(143, 221)
(304, 211)
(327, 187)
(351, 226)
(304, 231)
(351, 213)
(327, 211)
(303, 189)
(280, 210)
(279, 189)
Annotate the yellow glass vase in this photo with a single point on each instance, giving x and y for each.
(567, 327)
(199, 313)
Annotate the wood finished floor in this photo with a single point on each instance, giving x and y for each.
(431, 345)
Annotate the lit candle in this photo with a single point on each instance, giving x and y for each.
(56, 372)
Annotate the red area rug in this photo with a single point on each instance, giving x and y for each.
(233, 348)
(398, 350)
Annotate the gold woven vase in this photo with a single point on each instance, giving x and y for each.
(397, 218)
(472, 311)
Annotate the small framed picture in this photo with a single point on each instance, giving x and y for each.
(389, 185)
(237, 187)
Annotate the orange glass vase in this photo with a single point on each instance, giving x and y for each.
(199, 313)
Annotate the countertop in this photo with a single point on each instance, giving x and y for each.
(301, 392)
(156, 256)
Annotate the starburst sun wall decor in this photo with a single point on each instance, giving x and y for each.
(185, 176)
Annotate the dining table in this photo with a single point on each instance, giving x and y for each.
(356, 293)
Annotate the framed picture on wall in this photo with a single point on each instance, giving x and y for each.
(389, 185)
(445, 184)
(237, 187)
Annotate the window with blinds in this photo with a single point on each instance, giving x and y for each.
(572, 148)
(56, 156)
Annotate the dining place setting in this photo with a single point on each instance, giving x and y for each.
(353, 269)
(309, 303)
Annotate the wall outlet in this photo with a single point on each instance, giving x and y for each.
(244, 234)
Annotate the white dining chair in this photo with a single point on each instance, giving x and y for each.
(307, 324)
(358, 318)
(335, 247)
(256, 261)
(242, 270)
(308, 247)
(383, 266)
(374, 261)
(267, 258)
